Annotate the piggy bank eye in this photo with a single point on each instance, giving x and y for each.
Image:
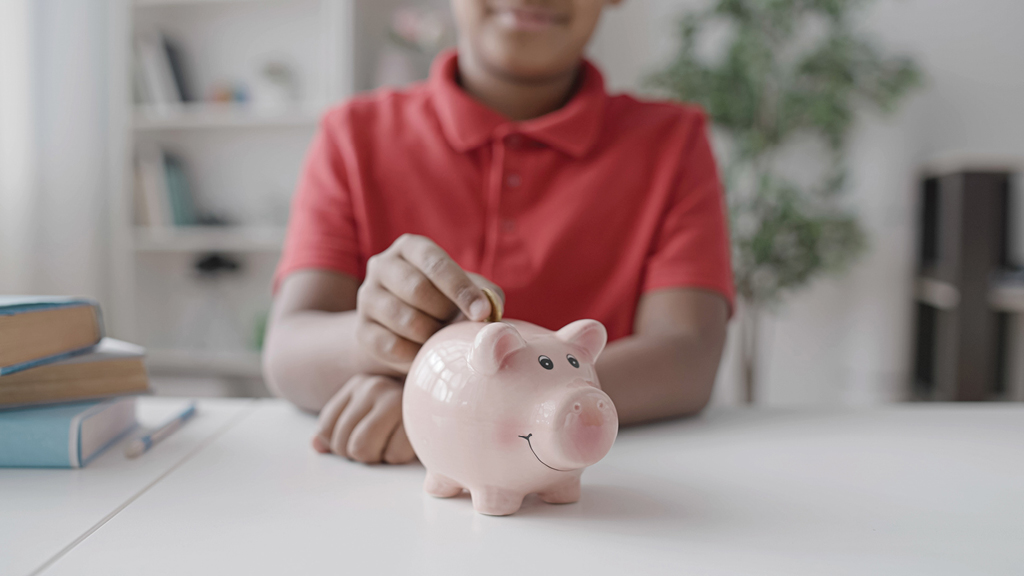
(572, 360)
(546, 362)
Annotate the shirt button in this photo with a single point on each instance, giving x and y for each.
(513, 180)
(508, 225)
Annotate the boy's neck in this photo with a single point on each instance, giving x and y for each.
(514, 99)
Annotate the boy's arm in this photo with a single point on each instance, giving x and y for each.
(667, 367)
(311, 334)
(341, 348)
(326, 327)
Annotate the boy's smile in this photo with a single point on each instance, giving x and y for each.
(518, 17)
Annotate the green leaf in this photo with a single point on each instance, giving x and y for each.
(770, 87)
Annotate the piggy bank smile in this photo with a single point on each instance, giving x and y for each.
(528, 443)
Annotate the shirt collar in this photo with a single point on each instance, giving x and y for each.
(468, 124)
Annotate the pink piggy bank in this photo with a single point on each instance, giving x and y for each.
(506, 409)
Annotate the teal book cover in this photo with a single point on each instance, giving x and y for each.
(63, 435)
(17, 305)
(182, 204)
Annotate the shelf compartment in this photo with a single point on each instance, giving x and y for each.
(156, 3)
(209, 239)
(936, 293)
(241, 364)
(196, 116)
(1007, 297)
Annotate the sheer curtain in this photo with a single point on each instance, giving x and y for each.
(53, 153)
(16, 148)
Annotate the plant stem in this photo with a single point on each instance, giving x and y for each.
(749, 348)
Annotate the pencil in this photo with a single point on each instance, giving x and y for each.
(140, 445)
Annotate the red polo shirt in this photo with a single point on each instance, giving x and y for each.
(574, 214)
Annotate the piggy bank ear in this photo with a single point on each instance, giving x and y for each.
(588, 335)
(495, 342)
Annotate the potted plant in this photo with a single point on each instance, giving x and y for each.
(785, 70)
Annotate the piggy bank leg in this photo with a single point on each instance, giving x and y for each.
(495, 501)
(565, 492)
(441, 486)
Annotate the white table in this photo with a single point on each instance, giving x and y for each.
(43, 511)
(922, 489)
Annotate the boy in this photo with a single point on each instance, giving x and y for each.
(510, 168)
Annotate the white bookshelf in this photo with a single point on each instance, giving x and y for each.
(242, 161)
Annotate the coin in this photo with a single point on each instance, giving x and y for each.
(495, 305)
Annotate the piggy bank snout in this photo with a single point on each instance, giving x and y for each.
(585, 428)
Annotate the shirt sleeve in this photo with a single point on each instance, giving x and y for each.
(322, 231)
(691, 248)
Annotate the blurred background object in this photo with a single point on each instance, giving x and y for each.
(785, 71)
(849, 339)
(141, 138)
(969, 290)
(416, 35)
(227, 96)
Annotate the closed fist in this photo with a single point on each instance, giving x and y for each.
(363, 422)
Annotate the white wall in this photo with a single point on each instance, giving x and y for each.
(52, 206)
(69, 98)
(17, 156)
(846, 340)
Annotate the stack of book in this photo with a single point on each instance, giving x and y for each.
(66, 391)
(163, 197)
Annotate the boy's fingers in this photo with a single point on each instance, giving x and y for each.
(406, 281)
(391, 312)
(370, 436)
(328, 417)
(448, 276)
(399, 450)
(385, 345)
(355, 411)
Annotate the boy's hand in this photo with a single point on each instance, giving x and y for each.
(363, 422)
(412, 290)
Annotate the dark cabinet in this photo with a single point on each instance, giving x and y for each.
(965, 287)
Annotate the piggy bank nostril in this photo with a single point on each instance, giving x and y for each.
(577, 407)
(600, 405)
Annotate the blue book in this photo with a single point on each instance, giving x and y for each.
(183, 207)
(36, 330)
(63, 435)
(111, 368)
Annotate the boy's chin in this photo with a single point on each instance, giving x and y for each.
(529, 63)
